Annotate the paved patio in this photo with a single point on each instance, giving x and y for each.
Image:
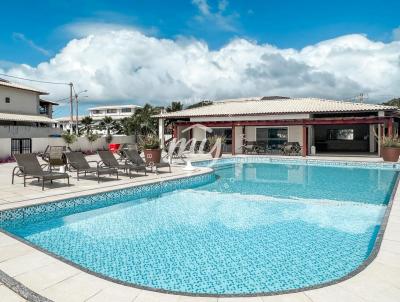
(58, 281)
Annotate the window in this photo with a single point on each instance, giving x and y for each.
(96, 111)
(341, 134)
(125, 110)
(273, 138)
(111, 110)
(8, 100)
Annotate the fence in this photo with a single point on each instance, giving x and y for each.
(82, 144)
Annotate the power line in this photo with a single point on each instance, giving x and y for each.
(32, 80)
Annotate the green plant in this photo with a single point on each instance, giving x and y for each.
(149, 141)
(69, 138)
(212, 140)
(87, 123)
(391, 141)
(92, 137)
(106, 124)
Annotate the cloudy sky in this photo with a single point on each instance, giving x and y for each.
(159, 51)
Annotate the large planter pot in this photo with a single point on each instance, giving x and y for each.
(216, 153)
(390, 154)
(152, 155)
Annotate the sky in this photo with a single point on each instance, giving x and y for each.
(143, 51)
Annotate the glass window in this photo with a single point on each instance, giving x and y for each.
(126, 110)
(111, 110)
(272, 138)
(341, 134)
(8, 100)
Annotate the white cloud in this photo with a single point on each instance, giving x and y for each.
(396, 34)
(217, 20)
(128, 65)
(31, 44)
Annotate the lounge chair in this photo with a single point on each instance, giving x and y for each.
(134, 157)
(55, 156)
(108, 160)
(76, 161)
(30, 168)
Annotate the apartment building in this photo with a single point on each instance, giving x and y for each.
(25, 114)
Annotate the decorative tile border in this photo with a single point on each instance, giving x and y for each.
(298, 161)
(44, 211)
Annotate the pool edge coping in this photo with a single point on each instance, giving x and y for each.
(373, 254)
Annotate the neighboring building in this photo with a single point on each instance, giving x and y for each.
(116, 112)
(328, 125)
(24, 115)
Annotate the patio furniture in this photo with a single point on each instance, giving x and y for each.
(108, 160)
(77, 161)
(54, 155)
(30, 168)
(134, 157)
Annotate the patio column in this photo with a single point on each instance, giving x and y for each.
(390, 127)
(233, 139)
(379, 139)
(161, 131)
(305, 144)
(175, 131)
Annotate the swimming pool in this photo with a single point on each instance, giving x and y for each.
(250, 228)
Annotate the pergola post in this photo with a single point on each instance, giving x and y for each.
(390, 127)
(233, 139)
(304, 148)
(161, 131)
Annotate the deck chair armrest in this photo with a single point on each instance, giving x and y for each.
(21, 170)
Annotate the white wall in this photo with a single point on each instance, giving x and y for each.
(5, 147)
(22, 101)
(27, 131)
(82, 144)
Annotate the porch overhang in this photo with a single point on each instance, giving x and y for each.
(293, 122)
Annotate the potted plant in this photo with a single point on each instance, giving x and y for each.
(390, 149)
(215, 143)
(150, 144)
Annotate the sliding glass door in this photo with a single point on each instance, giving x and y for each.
(227, 132)
(272, 138)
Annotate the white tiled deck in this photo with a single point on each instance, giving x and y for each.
(58, 281)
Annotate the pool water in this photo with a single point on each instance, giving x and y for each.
(258, 228)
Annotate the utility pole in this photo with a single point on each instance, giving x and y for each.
(71, 122)
(77, 115)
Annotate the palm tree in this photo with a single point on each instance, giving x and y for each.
(143, 122)
(107, 124)
(87, 123)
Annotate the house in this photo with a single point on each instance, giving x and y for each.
(116, 112)
(24, 115)
(327, 126)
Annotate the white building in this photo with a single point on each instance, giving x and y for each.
(24, 115)
(268, 123)
(116, 112)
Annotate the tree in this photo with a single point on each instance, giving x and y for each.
(393, 102)
(69, 138)
(87, 123)
(92, 137)
(175, 106)
(142, 122)
(107, 124)
(200, 104)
